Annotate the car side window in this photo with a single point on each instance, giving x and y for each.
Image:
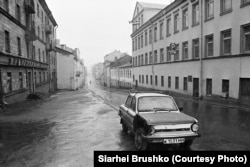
(128, 101)
(133, 104)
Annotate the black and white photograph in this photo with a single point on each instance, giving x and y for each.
(92, 83)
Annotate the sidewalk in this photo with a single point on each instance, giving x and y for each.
(213, 100)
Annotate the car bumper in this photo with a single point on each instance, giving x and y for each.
(160, 137)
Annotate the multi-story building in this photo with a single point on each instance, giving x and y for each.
(27, 54)
(121, 72)
(109, 59)
(73, 77)
(197, 48)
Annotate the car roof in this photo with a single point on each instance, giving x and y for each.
(146, 94)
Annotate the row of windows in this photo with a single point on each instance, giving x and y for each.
(39, 11)
(225, 83)
(152, 34)
(39, 77)
(169, 55)
(40, 32)
(122, 73)
(41, 53)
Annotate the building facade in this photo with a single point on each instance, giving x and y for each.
(27, 54)
(197, 48)
(71, 74)
(121, 72)
(109, 60)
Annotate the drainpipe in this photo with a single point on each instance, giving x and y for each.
(202, 51)
(152, 50)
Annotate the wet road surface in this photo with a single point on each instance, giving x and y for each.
(66, 128)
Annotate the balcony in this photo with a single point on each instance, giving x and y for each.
(48, 29)
(29, 6)
(30, 33)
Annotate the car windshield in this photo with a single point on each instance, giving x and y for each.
(156, 103)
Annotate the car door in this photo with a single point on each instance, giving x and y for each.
(131, 112)
(124, 110)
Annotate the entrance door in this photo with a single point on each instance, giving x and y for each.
(245, 90)
(196, 87)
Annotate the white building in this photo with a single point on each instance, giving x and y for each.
(211, 52)
(70, 69)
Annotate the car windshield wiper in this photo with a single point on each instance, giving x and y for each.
(161, 109)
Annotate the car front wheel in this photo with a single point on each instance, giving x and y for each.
(140, 143)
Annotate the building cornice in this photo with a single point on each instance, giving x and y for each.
(156, 17)
(48, 12)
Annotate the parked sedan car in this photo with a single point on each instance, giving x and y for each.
(156, 118)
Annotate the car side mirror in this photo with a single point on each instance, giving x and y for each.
(181, 109)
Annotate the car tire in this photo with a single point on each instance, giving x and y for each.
(124, 128)
(140, 143)
(186, 145)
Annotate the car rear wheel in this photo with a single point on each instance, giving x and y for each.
(140, 143)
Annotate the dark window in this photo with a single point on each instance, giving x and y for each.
(146, 79)
(226, 6)
(196, 48)
(176, 82)
(225, 86)
(146, 58)
(226, 42)
(185, 50)
(168, 27)
(143, 79)
(155, 57)
(151, 79)
(209, 45)
(20, 80)
(209, 8)
(162, 81)
(185, 19)
(196, 14)
(146, 38)
(162, 55)
(161, 31)
(209, 86)
(185, 84)
(19, 47)
(155, 33)
(18, 13)
(6, 5)
(246, 38)
(176, 23)
(169, 82)
(8, 83)
(7, 41)
(156, 80)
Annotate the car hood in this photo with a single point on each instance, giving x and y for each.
(163, 118)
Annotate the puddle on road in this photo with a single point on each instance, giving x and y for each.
(16, 135)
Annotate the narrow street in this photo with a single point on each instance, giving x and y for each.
(65, 129)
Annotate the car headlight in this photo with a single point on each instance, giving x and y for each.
(195, 127)
(151, 130)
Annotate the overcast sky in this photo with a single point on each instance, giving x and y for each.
(96, 27)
